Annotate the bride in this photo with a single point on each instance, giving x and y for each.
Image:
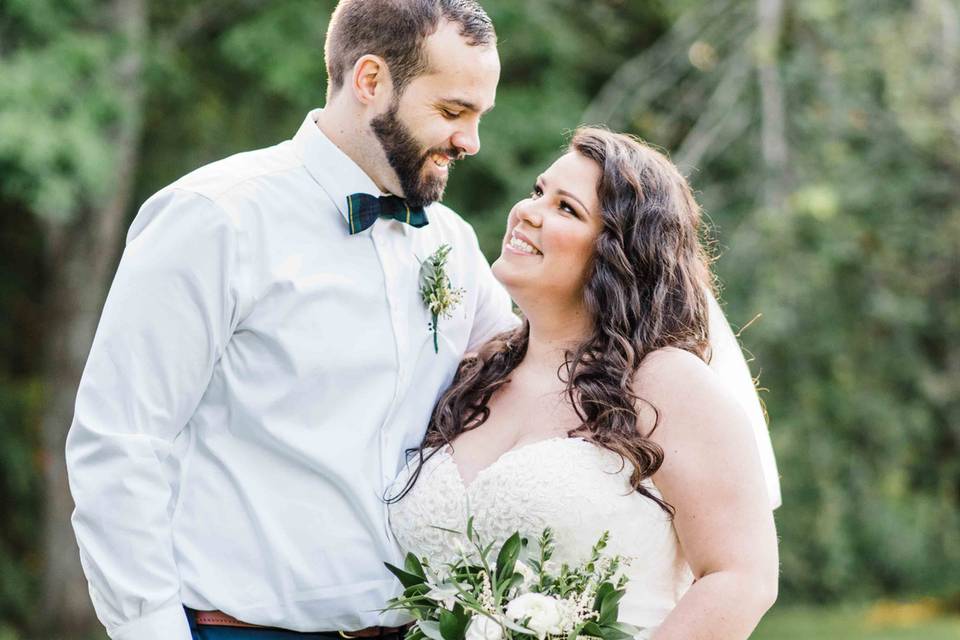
(600, 413)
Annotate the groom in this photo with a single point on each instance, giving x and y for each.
(265, 356)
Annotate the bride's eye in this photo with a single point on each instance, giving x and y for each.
(537, 192)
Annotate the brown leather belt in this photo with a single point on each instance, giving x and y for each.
(221, 619)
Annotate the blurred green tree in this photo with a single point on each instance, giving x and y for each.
(70, 118)
(822, 138)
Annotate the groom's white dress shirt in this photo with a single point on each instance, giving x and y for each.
(255, 379)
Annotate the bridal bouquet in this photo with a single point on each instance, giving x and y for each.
(516, 593)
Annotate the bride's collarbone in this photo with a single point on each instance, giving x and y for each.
(482, 446)
(519, 415)
(475, 455)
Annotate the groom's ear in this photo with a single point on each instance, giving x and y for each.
(371, 79)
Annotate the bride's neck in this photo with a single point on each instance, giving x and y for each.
(552, 337)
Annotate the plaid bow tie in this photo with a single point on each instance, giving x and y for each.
(364, 209)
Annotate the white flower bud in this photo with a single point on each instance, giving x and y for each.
(484, 628)
(544, 613)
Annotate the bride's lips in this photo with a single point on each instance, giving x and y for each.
(522, 240)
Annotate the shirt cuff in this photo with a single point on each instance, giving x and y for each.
(168, 623)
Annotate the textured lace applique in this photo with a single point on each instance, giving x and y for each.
(568, 484)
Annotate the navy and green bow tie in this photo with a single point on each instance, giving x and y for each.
(363, 210)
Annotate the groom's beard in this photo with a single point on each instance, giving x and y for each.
(408, 161)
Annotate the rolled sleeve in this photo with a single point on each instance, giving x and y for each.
(169, 314)
(167, 622)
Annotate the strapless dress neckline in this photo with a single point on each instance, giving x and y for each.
(446, 453)
(571, 485)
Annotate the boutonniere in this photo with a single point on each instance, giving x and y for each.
(438, 295)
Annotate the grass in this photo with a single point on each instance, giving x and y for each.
(921, 620)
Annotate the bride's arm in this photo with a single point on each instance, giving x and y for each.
(712, 476)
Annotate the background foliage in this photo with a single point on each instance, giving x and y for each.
(822, 137)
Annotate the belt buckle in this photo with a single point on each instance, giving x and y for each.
(344, 634)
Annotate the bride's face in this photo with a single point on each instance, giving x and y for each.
(549, 244)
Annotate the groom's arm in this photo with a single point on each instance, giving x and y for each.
(166, 320)
(494, 312)
(728, 362)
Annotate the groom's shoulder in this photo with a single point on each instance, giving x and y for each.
(228, 189)
(240, 173)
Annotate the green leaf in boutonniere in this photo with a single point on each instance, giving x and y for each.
(435, 289)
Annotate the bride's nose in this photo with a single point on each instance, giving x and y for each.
(527, 212)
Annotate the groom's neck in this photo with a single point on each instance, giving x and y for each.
(347, 130)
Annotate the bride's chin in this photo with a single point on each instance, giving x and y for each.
(506, 274)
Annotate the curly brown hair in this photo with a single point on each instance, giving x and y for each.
(647, 290)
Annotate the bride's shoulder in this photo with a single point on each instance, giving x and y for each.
(669, 365)
(684, 390)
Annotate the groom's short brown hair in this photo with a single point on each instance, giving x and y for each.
(395, 31)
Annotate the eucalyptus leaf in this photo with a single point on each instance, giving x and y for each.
(453, 624)
(610, 606)
(627, 628)
(406, 579)
(430, 629)
(592, 629)
(602, 592)
(610, 632)
(412, 565)
(517, 628)
(507, 558)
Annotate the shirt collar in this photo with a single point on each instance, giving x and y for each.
(333, 170)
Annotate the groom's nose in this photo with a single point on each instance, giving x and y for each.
(467, 139)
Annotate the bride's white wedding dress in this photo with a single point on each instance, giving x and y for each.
(576, 488)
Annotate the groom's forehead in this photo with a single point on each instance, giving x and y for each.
(467, 73)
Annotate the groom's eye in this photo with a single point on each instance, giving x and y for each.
(450, 115)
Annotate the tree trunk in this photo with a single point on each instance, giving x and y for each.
(81, 258)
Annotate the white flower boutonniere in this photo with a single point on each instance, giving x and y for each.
(435, 289)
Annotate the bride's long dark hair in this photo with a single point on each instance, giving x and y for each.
(646, 291)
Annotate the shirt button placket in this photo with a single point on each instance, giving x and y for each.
(386, 249)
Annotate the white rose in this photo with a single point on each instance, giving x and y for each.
(484, 628)
(545, 613)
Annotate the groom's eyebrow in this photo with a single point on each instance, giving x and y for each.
(466, 104)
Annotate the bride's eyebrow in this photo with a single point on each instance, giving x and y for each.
(566, 193)
(563, 192)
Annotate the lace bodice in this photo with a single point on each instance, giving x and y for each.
(578, 489)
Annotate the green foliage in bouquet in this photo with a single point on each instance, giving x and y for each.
(521, 594)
